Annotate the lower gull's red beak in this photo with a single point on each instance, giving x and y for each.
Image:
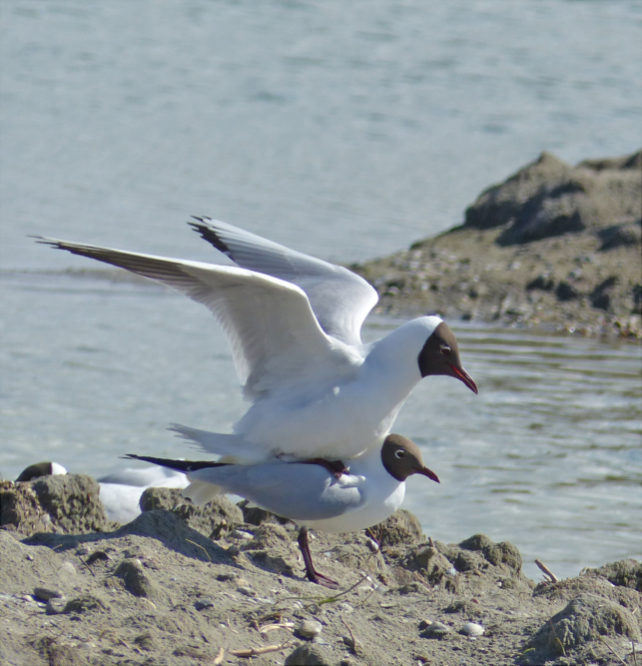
(464, 377)
(429, 473)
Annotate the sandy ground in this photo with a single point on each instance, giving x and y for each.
(188, 585)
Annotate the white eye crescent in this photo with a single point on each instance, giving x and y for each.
(444, 349)
(399, 454)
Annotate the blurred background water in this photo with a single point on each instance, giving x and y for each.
(344, 130)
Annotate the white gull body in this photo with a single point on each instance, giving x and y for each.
(310, 493)
(120, 491)
(294, 324)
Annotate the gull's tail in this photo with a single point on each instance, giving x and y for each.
(232, 447)
(198, 491)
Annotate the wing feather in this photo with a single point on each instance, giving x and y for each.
(340, 299)
(272, 329)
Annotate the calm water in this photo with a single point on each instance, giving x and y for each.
(344, 130)
(548, 455)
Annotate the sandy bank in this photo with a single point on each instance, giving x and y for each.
(185, 585)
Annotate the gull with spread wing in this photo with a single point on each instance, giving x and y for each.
(294, 324)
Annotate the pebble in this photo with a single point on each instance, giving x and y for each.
(202, 604)
(223, 577)
(309, 629)
(46, 593)
(67, 567)
(242, 534)
(472, 629)
(436, 630)
(56, 605)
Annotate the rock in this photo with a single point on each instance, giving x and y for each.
(428, 561)
(550, 198)
(46, 593)
(586, 618)
(203, 604)
(501, 204)
(437, 630)
(309, 629)
(62, 503)
(472, 629)
(402, 527)
(214, 519)
(56, 652)
(627, 573)
(566, 291)
(254, 515)
(542, 281)
(83, 604)
(272, 549)
(55, 606)
(620, 235)
(135, 580)
(310, 654)
(499, 554)
(172, 531)
(601, 295)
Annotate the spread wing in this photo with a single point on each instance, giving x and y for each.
(340, 299)
(275, 336)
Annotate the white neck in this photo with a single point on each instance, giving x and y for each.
(393, 364)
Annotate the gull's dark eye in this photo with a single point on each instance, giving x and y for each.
(399, 454)
(444, 348)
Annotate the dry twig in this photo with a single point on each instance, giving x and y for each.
(266, 628)
(254, 652)
(615, 654)
(198, 545)
(547, 572)
(354, 646)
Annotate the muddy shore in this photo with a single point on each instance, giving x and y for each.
(555, 247)
(224, 584)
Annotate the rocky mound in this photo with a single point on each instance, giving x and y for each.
(555, 246)
(188, 585)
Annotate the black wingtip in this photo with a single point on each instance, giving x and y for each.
(206, 232)
(177, 465)
(44, 241)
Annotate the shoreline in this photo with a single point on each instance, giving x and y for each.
(223, 584)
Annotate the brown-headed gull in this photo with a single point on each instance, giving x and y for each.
(294, 324)
(311, 493)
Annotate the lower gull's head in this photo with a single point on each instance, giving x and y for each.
(440, 355)
(401, 457)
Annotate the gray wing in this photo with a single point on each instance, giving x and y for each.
(340, 299)
(269, 322)
(293, 490)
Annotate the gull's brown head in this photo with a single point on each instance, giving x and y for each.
(440, 356)
(402, 458)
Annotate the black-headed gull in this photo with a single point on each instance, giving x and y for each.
(309, 493)
(120, 491)
(294, 323)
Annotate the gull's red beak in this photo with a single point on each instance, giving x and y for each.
(464, 377)
(429, 473)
